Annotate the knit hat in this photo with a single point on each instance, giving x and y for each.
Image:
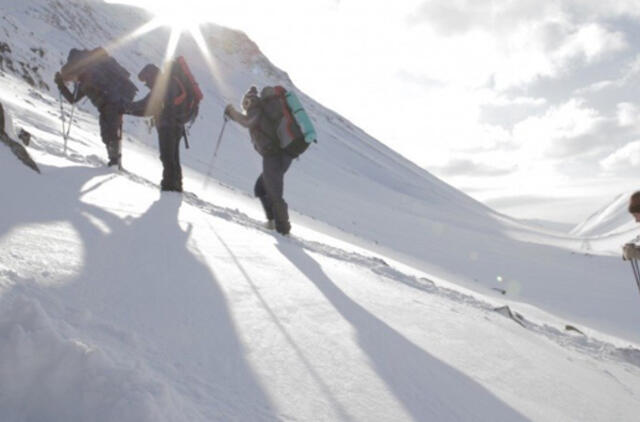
(77, 60)
(250, 98)
(148, 73)
(634, 203)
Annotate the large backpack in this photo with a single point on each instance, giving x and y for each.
(103, 72)
(292, 124)
(187, 102)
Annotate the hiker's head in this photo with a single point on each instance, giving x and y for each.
(634, 206)
(250, 98)
(148, 74)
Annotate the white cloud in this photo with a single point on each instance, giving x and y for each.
(590, 41)
(551, 134)
(628, 115)
(502, 101)
(624, 159)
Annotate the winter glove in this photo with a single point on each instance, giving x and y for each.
(58, 79)
(630, 251)
(228, 110)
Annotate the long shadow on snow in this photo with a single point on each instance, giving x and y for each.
(428, 388)
(144, 289)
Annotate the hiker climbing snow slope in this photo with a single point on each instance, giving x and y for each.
(279, 134)
(99, 77)
(173, 101)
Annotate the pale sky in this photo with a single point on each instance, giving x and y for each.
(529, 106)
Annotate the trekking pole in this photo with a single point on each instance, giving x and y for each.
(215, 153)
(66, 131)
(636, 271)
(62, 119)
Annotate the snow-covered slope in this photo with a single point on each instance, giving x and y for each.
(117, 303)
(121, 304)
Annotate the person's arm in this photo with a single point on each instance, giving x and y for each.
(139, 108)
(630, 251)
(68, 95)
(249, 120)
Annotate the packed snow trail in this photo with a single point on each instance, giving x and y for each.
(206, 316)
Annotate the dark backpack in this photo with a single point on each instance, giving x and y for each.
(187, 103)
(293, 127)
(102, 72)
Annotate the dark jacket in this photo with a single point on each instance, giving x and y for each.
(86, 89)
(163, 109)
(261, 129)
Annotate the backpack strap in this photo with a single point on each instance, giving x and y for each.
(183, 96)
(264, 115)
(186, 138)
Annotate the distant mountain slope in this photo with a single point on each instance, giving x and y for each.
(610, 219)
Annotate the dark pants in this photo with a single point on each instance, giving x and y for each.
(111, 131)
(169, 140)
(270, 189)
(1, 119)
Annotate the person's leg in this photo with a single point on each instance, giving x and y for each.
(176, 159)
(111, 132)
(1, 119)
(273, 169)
(169, 144)
(261, 193)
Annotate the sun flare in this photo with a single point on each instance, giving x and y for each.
(178, 17)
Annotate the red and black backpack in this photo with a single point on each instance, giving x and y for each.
(187, 102)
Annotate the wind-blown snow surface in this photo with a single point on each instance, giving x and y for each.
(117, 303)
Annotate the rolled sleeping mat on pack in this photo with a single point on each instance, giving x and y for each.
(301, 117)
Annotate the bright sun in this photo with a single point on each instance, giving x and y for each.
(184, 17)
(179, 15)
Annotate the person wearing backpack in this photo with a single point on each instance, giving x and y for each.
(162, 106)
(269, 186)
(106, 84)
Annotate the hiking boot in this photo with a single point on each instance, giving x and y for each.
(114, 161)
(170, 187)
(283, 227)
(281, 213)
(270, 225)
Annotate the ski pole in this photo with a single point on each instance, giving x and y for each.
(66, 131)
(636, 271)
(215, 153)
(62, 119)
(66, 135)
